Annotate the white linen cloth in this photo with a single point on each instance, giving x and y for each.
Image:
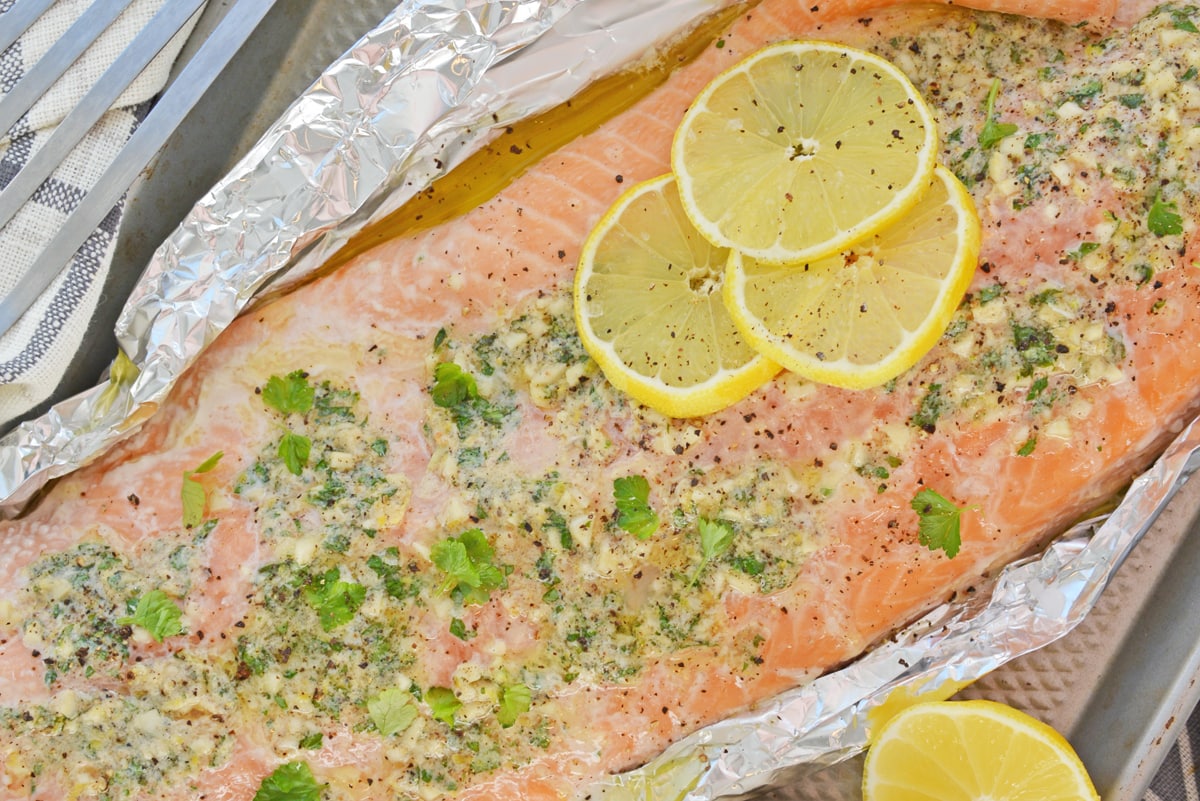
(37, 351)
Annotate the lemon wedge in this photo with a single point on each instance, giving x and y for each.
(648, 308)
(860, 317)
(971, 751)
(802, 149)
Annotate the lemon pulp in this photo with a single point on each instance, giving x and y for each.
(972, 751)
(649, 310)
(802, 149)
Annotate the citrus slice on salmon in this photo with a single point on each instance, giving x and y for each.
(860, 317)
(802, 149)
(969, 750)
(649, 311)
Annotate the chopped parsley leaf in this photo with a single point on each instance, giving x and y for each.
(1081, 251)
(467, 562)
(295, 449)
(442, 704)
(929, 410)
(156, 613)
(1163, 219)
(939, 525)
(312, 741)
(392, 711)
(452, 385)
(192, 492)
(632, 496)
(334, 600)
(456, 390)
(289, 394)
(1180, 20)
(716, 537)
(459, 629)
(1037, 388)
(291, 781)
(514, 700)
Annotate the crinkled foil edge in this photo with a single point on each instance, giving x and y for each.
(425, 89)
(411, 100)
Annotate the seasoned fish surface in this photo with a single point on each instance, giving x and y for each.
(395, 536)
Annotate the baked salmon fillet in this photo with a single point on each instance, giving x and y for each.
(395, 536)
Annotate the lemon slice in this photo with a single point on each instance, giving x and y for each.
(648, 308)
(802, 149)
(969, 751)
(863, 316)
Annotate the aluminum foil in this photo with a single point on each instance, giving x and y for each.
(414, 97)
(411, 100)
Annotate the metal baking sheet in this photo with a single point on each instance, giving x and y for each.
(1120, 708)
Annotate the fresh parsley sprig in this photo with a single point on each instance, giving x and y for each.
(939, 522)
(716, 537)
(632, 497)
(993, 131)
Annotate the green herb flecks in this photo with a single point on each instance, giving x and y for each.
(632, 497)
(156, 613)
(1081, 251)
(456, 390)
(192, 493)
(1035, 345)
(459, 629)
(313, 741)
(940, 522)
(931, 407)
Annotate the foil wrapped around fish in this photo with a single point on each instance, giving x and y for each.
(425, 89)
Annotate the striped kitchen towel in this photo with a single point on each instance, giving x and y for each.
(38, 350)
